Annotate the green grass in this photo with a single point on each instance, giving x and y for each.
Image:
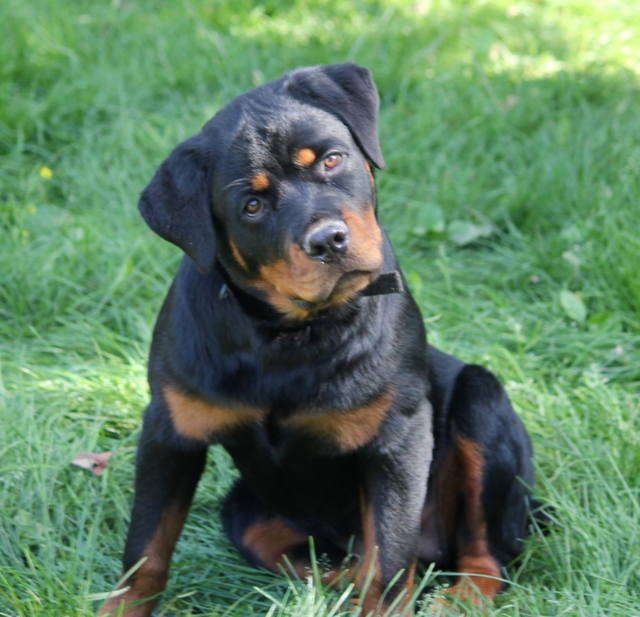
(515, 124)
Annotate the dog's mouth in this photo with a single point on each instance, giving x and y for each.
(347, 286)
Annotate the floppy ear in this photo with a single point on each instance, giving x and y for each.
(176, 203)
(348, 92)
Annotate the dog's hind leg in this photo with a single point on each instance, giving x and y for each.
(271, 541)
(482, 489)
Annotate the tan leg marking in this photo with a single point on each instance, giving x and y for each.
(405, 608)
(151, 577)
(479, 569)
(270, 540)
(369, 573)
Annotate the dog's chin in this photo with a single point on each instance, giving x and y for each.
(346, 287)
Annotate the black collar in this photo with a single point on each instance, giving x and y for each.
(387, 283)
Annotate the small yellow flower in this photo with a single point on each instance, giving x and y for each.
(32, 210)
(46, 173)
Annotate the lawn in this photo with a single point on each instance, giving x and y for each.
(511, 132)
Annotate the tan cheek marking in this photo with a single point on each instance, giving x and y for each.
(366, 238)
(346, 292)
(348, 429)
(299, 277)
(259, 182)
(370, 173)
(276, 282)
(283, 304)
(197, 419)
(237, 255)
(305, 157)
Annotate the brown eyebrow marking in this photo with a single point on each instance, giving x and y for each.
(259, 182)
(305, 157)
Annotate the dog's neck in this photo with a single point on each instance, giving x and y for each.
(386, 283)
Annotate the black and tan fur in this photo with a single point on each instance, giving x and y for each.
(344, 423)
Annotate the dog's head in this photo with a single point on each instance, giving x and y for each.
(278, 188)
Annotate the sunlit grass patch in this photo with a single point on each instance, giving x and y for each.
(510, 132)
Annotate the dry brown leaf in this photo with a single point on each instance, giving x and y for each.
(95, 462)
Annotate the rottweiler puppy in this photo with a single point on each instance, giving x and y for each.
(289, 338)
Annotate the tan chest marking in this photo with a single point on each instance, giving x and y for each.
(197, 419)
(348, 429)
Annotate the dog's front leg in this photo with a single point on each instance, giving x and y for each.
(393, 473)
(167, 472)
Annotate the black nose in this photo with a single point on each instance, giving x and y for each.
(327, 241)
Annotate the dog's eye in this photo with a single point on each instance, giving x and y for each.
(253, 207)
(332, 160)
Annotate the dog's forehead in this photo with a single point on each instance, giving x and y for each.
(270, 132)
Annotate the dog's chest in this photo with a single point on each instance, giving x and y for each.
(337, 430)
